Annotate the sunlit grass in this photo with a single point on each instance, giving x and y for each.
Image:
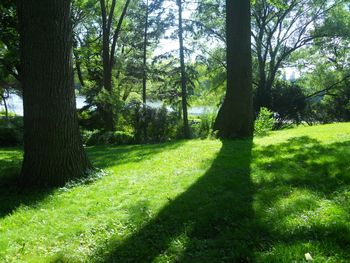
(285, 195)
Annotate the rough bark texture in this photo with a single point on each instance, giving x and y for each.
(53, 150)
(235, 117)
(183, 75)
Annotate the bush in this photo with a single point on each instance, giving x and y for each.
(160, 124)
(107, 137)
(86, 136)
(264, 122)
(203, 126)
(8, 137)
(289, 102)
(11, 131)
(123, 137)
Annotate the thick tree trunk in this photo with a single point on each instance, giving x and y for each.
(235, 117)
(183, 75)
(53, 150)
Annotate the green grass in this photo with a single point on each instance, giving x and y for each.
(271, 200)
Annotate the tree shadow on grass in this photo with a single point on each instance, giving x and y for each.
(12, 195)
(304, 197)
(106, 156)
(214, 220)
(211, 222)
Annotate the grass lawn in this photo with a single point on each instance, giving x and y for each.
(271, 200)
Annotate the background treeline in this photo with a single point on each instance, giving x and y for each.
(136, 92)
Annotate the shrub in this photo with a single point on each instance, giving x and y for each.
(202, 127)
(86, 136)
(98, 137)
(264, 122)
(289, 102)
(160, 124)
(11, 131)
(8, 137)
(123, 137)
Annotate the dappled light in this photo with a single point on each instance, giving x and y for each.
(257, 202)
(174, 131)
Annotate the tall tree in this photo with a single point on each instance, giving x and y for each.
(183, 73)
(279, 29)
(53, 150)
(108, 52)
(235, 117)
(144, 65)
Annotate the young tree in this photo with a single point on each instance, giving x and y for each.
(235, 117)
(53, 150)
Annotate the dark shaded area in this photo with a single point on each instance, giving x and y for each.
(215, 214)
(106, 156)
(13, 194)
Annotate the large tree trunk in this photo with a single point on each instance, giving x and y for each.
(235, 117)
(183, 75)
(53, 150)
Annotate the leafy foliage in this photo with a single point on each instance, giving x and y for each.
(264, 123)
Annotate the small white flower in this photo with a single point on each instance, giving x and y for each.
(308, 257)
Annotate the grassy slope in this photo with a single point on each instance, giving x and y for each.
(197, 201)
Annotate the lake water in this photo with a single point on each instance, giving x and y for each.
(15, 104)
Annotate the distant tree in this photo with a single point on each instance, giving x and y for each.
(9, 41)
(235, 117)
(280, 28)
(53, 150)
(108, 52)
(9, 53)
(183, 72)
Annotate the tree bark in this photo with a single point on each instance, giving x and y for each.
(235, 117)
(53, 150)
(183, 75)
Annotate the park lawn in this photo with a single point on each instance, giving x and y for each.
(271, 200)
